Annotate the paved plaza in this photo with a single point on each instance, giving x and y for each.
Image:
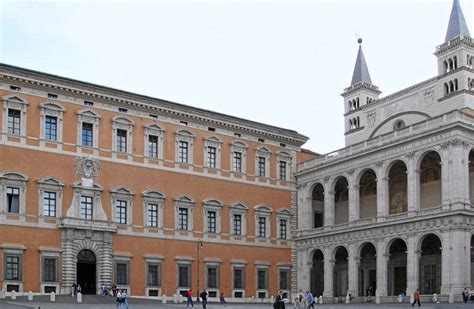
(98, 302)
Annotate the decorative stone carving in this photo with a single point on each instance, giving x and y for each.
(371, 118)
(445, 145)
(457, 142)
(87, 167)
(410, 155)
(428, 96)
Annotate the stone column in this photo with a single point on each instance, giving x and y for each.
(382, 275)
(304, 208)
(413, 185)
(445, 175)
(328, 274)
(382, 192)
(303, 270)
(413, 255)
(353, 271)
(455, 260)
(458, 174)
(354, 208)
(328, 208)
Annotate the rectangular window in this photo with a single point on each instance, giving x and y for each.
(262, 277)
(13, 200)
(237, 224)
(211, 157)
(261, 166)
(121, 211)
(12, 267)
(153, 215)
(262, 227)
(211, 221)
(50, 128)
(183, 219)
(121, 140)
(52, 96)
(153, 146)
(154, 275)
(121, 274)
(86, 207)
(212, 277)
(239, 278)
(283, 229)
(87, 134)
(184, 275)
(238, 162)
(183, 152)
(49, 204)
(14, 120)
(282, 170)
(49, 270)
(284, 279)
(88, 103)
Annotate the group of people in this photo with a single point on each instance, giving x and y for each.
(305, 301)
(202, 299)
(121, 299)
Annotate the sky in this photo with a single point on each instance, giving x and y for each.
(283, 63)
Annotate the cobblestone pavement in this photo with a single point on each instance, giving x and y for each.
(98, 302)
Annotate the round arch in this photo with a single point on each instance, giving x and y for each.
(317, 272)
(367, 283)
(367, 181)
(397, 187)
(341, 200)
(341, 278)
(429, 165)
(397, 266)
(430, 263)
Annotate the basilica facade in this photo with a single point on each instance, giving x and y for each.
(392, 211)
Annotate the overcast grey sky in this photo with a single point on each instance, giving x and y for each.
(283, 63)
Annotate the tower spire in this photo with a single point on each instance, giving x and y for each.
(361, 72)
(457, 24)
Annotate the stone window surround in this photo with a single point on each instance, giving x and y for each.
(288, 269)
(265, 211)
(46, 252)
(122, 258)
(157, 131)
(89, 116)
(184, 136)
(95, 191)
(237, 264)
(154, 260)
(15, 102)
(184, 201)
(283, 214)
(122, 123)
(213, 263)
(18, 250)
(153, 197)
(212, 141)
(240, 209)
(238, 146)
(183, 261)
(50, 184)
(213, 205)
(266, 153)
(261, 265)
(13, 179)
(283, 156)
(56, 110)
(123, 194)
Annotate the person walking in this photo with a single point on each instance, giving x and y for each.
(222, 299)
(416, 296)
(465, 296)
(203, 296)
(279, 301)
(309, 299)
(189, 296)
(300, 301)
(118, 300)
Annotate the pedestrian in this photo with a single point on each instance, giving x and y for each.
(118, 300)
(203, 297)
(79, 290)
(300, 301)
(124, 299)
(222, 299)
(279, 301)
(114, 290)
(465, 296)
(189, 296)
(74, 289)
(309, 299)
(416, 296)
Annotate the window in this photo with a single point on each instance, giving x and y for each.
(121, 211)
(13, 200)
(14, 121)
(52, 96)
(153, 274)
(237, 162)
(184, 275)
(152, 215)
(153, 146)
(283, 165)
(237, 224)
(262, 279)
(183, 152)
(122, 273)
(49, 204)
(211, 221)
(282, 170)
(15, 88)
(86, 208)
(283, 217)
(211, 157)
(261, 166)
(183, 219)
(49, 269)
(284, 279)
(50, 128)
(212, 277)
(283, 229)
(121, 140)
(12, 267)
(87, 134)
(122, 110)
(239, 278)
(262, 227)
(88, 103)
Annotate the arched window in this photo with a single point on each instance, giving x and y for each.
(398, 125)
(430, 180)
(368, 195)
(341, 201)
(398, 188)
(317, 200)
(455, 60)
(456, 85)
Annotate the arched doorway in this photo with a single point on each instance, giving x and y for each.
(368, 195)
(341, 272)
(430, 265)
(397, 267)
(397, 188)
(317, 199)
(317, 273)
(341, 201)
(86, 271)
(367, 271)
(430, 180)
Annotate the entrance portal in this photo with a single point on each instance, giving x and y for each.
(86, 271)
(397, 268)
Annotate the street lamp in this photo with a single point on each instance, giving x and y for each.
(199, 246)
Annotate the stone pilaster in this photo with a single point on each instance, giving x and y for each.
(382, 192)
(329, 208)
(328, 274)
(294, 256)
(353, 270)
(458, 174)
(413, 255)
(413, 185)
(382, 274)
(354, 208)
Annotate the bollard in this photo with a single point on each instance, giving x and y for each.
(2, 294)
(72, 292)
(30, 296)
(175, 298)
(163, 299)
(79, 297)
(412, 298)
(451, 298)
(13, 294)
(400, 298)
(180, 299)
(435, 298)
(348, 299)
(377, 299)
(321, 299)
(272, 300)
(52, 297)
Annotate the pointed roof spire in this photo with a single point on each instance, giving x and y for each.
(457, 24)
(361, 72)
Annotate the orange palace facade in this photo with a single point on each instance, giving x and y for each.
(102, 186)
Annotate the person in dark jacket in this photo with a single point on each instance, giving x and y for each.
(203, 296)
(279, 301)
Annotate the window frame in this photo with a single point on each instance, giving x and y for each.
(285, 157)
(240, 209)
(54, 185)
(238, 147)
(283, 214)
(122, 260)
(158, 132)
(14, 121)
(13, 180)
(263, 211)
(187, 137)
(125, 125)
(262, 154)
(91, 117)
(157, 198)
(55, 110)
(188, 203)
(189, 277)
(212, 142)
(15, 102)
(126, 195)
(216, 267)
(212, 205)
